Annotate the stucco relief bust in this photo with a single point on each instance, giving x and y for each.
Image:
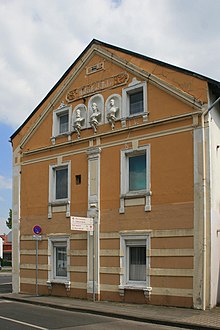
(112, 113)
(78, 122)
(95, 117)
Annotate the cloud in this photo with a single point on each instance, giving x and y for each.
(41, 39)
(5, 183)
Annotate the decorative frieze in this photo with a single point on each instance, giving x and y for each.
(111, 82)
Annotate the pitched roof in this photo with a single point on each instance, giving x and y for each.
(213, 83)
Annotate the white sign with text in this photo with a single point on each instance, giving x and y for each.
(79, 223)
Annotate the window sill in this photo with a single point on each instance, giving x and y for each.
(59, 202)
(146, 290)
(138, 114)
(63, 134)
(143, 114)
(62, 206)
(136, 198)
(136, 193)
(59, 281)
(57, 136)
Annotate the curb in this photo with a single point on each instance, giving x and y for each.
(113, 314)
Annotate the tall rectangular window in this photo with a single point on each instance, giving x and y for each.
(63, 123)
(134, 100)
(135, 260)
(60, 260)
(136, 103)
(137, 263)
(61, 183)
(135, 178)
(137, 172)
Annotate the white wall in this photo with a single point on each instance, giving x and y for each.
(16, 223)
(214, 120)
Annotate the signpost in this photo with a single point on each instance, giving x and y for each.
(37, 231)
(86, 224)
(83, 224)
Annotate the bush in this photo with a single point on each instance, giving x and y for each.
(6, 263)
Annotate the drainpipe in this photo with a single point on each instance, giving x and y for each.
(204, 199)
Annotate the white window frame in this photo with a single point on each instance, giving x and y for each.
(52, 183)
(132, 243)
(124, 177)
(128, 239)
(54, 203)
(134, 87)
(56, 120)
(55, 246)
(53, 242)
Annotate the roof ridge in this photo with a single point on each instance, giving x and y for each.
(110, 46)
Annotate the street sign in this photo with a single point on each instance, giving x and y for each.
(37, 230)
(83, 224)
(37, 237)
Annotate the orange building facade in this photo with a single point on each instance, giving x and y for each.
(125, 140)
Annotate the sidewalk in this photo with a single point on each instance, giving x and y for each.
(5, 269)
(171, 316)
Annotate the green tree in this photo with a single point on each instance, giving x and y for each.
(9, 221)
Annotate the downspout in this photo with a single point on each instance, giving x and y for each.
(204, 199)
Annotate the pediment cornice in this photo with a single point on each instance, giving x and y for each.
(83, 61)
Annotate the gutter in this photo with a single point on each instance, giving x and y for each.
(204, 246)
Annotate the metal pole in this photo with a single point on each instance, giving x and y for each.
(93, 264)
(36, 267)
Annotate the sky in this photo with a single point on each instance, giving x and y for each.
(40, 39)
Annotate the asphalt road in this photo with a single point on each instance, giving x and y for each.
(20, 316)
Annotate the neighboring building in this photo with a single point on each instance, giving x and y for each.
(1, 250)
(133, 143)
(7, 247)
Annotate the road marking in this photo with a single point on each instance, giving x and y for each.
(5, 283)
(23, 323)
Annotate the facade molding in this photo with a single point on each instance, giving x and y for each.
(116, 132)
(172, 292)
(156, 233)
(175, 272)
(171, 252)
(108, 145)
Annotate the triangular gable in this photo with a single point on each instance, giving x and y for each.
(104, 50)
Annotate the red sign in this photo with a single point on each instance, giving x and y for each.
(37, 230)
